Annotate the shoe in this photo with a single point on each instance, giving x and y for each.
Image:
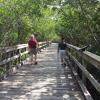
(64, 64)
(35, 63)
(61, 64)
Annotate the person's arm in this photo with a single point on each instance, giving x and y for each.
(37, 45)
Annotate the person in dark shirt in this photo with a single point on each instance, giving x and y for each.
(62, 51)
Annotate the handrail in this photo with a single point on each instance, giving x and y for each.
(92, 58)
(85, 56)
(11, 56)
(8, 49)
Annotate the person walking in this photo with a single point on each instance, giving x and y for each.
(62, 51)
(33, 45)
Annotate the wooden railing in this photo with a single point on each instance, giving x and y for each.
(12, 57)
(80, 64)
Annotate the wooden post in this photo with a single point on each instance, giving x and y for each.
(83, 76)
(6, 68)
(19, 56)
(76, 67)
(25, 54)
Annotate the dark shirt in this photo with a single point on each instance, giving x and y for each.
(62, 46)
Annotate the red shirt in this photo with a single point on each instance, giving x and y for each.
(32, 43)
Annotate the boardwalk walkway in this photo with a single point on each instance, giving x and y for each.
(45, 81)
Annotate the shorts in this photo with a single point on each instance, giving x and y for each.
(33, 51)
(62, 54)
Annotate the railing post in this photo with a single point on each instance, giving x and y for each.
(76, 67)
(6, 65)
(25, 54)
(83, 76)
(19, 56)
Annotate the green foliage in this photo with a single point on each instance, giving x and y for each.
(21, 18)
(2, 71)
(54, 37)
(77, 20)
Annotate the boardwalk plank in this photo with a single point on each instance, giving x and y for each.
(45, 81)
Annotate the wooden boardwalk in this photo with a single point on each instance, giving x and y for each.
(45, 81)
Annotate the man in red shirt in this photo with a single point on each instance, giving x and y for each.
(33, 44)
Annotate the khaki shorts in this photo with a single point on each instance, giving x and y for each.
(33, 51)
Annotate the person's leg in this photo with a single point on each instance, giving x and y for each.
(61, 56)
(31, 58)
(64, 57)
(31, 55)
(35, 56)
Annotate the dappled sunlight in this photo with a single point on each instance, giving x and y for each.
(11, 83)
(45, 81)
(70, 77)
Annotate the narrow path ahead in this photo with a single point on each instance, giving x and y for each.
(45, 81)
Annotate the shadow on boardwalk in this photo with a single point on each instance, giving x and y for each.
(45, 81)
